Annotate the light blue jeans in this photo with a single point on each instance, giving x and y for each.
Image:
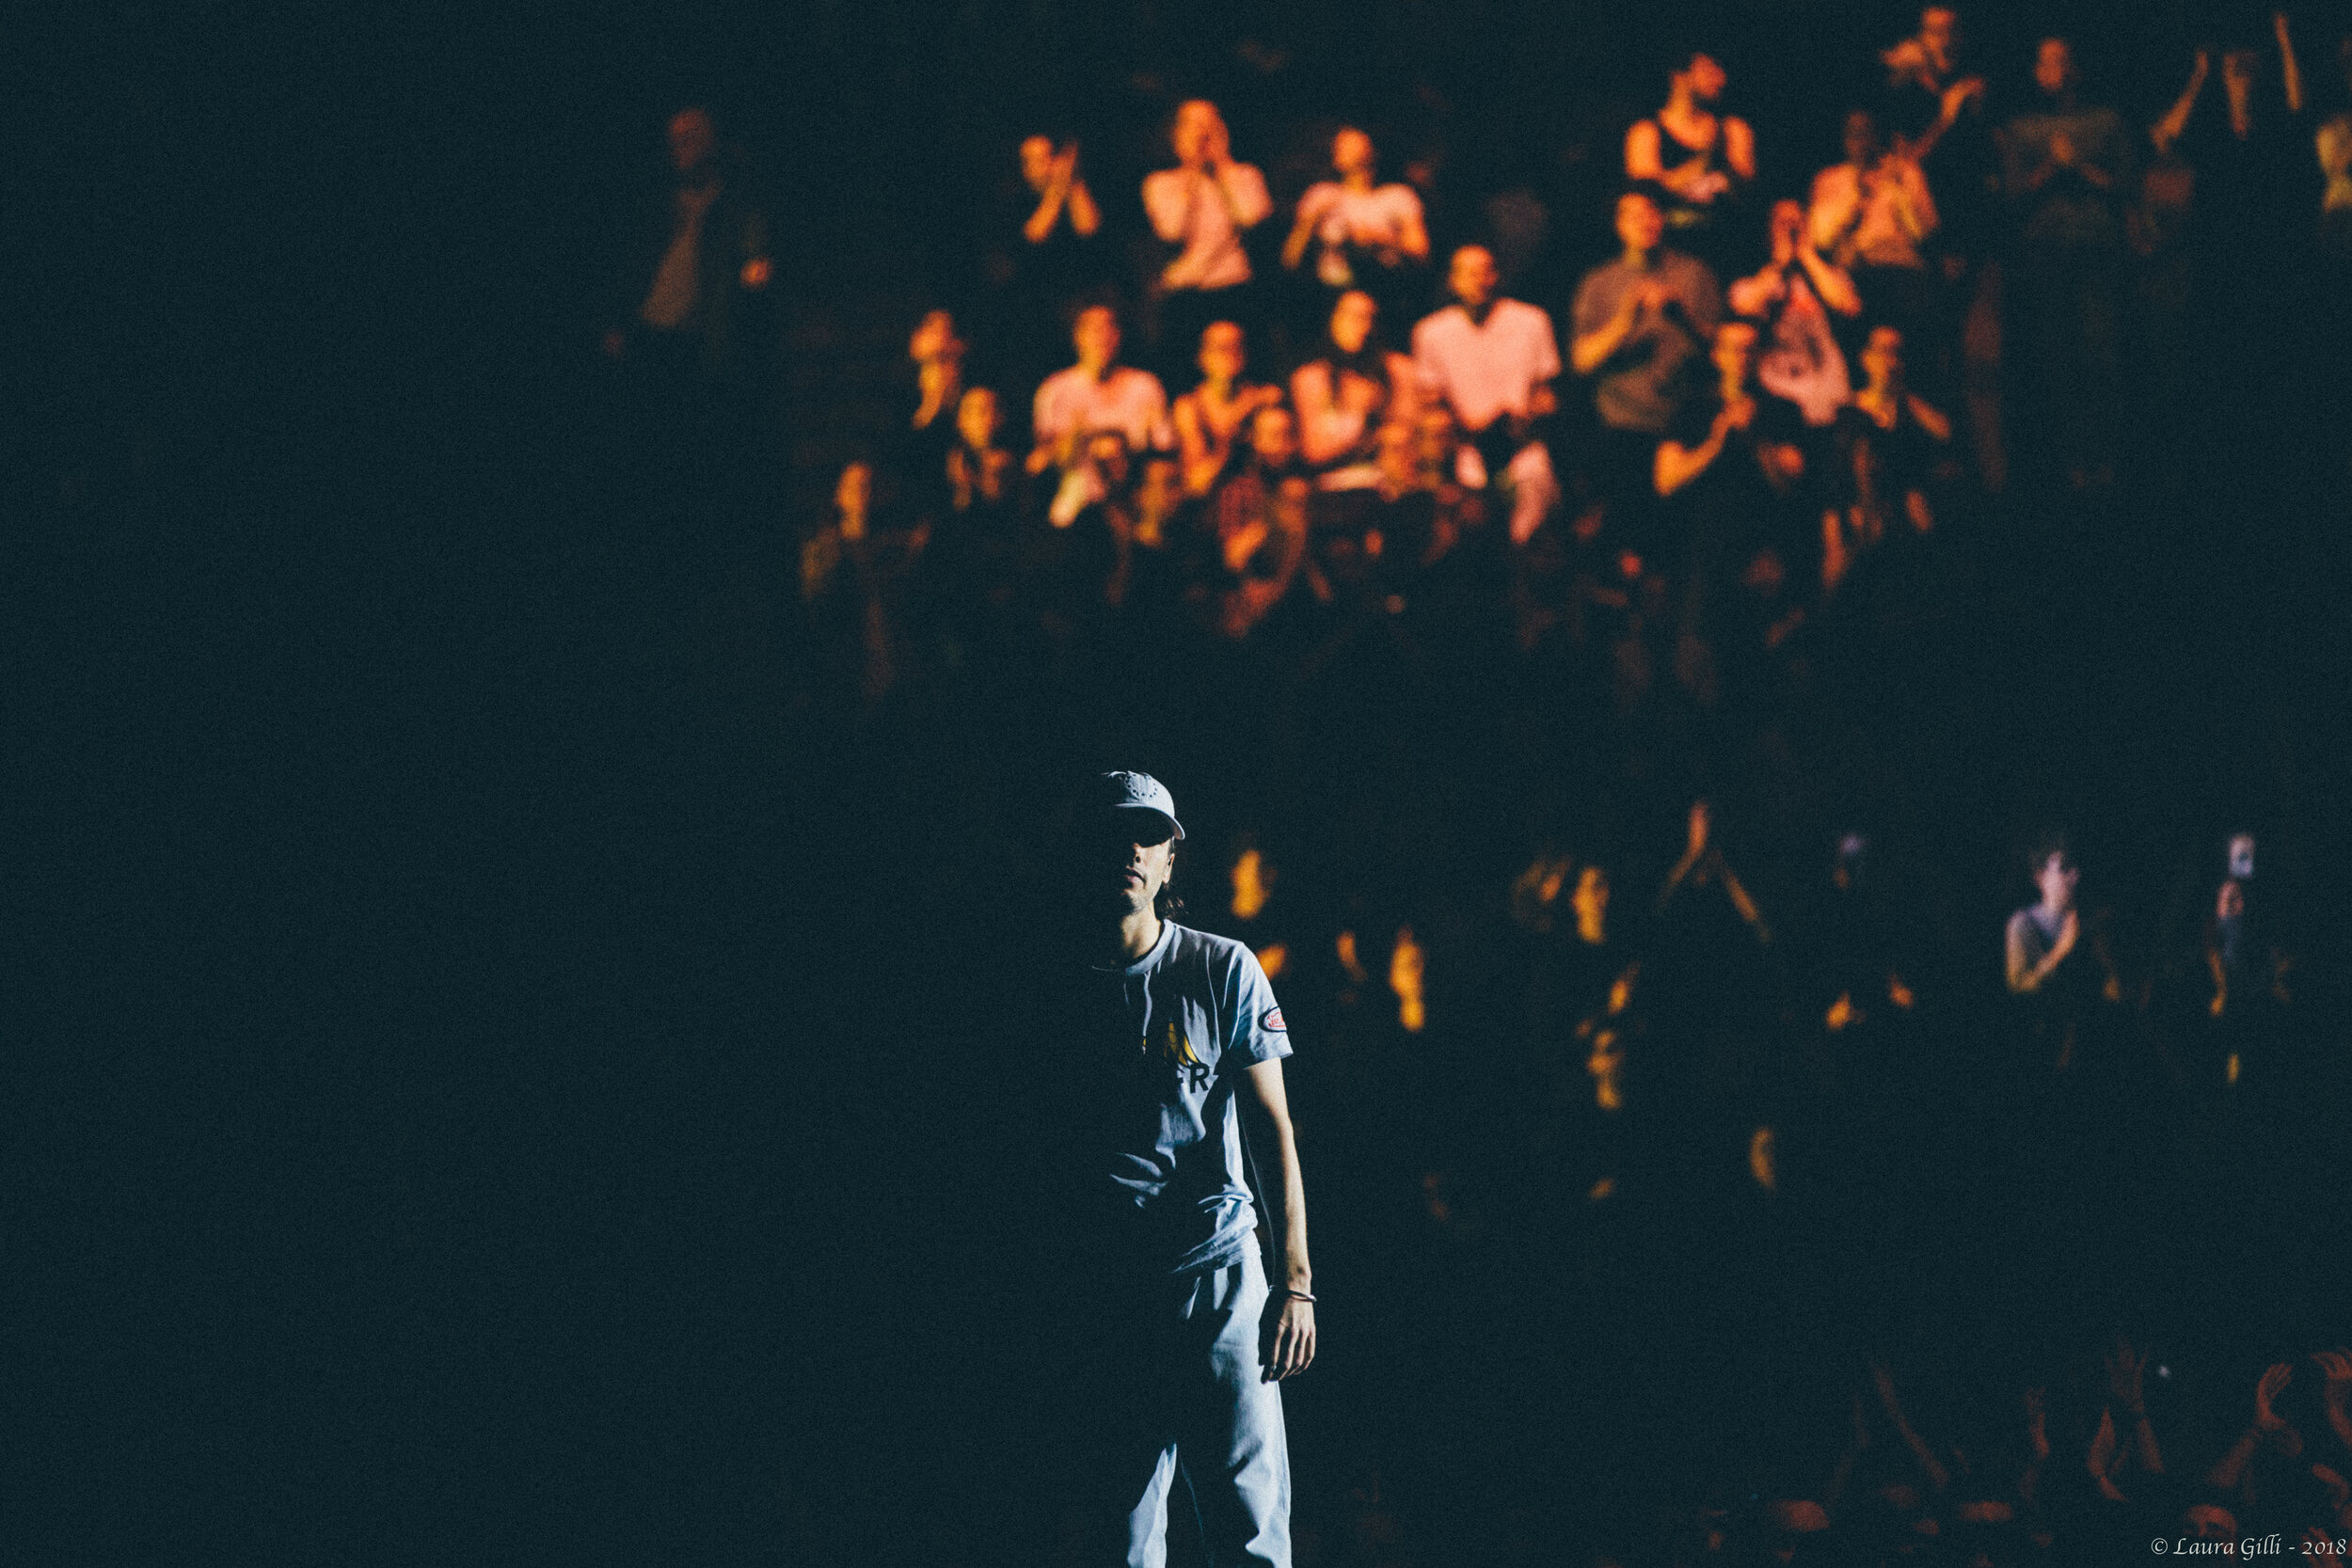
(1192, 1402)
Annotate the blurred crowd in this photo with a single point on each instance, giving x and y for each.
(1420, 554)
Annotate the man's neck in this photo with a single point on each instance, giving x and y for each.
(1138, 933)
(1639, 260)
(1096, 373)
(1479, 312)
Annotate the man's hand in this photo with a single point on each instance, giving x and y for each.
(2124, 1372)
(2069, 931)
(1290, 1340)
(757, 272)
(2273, 1383)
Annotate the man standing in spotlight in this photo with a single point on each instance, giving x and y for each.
(1174, 1045)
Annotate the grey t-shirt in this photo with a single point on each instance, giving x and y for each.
(1639, 387)
(1171, 1033)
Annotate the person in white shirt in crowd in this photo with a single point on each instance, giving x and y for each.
(1204, 205)
(1492, 362)
(1365, 236)
(1095, 394)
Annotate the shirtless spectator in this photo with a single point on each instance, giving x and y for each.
(1698, 162)
(1204, 204)
(1790, 297)
(1870, 215)
(1642, 323)
(1492, 361)
(1345, 397)
(1365, 236)
(1097, 393)
(1212, 414)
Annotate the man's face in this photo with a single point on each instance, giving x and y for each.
(691, 138)
(1273, 437)
(1037, 161)
(1196, 124)
(1706, 78)
(1939, 30)
(1352, 319)
(1883, 355)
(1136, 851)
(977, 417)
(1222, 355)
(1351, 150)
(932, 338)
(2054, 66)
(1096, 336)
(2057, 879)
(1640, 224)
(1861, 136)
(1473, 275)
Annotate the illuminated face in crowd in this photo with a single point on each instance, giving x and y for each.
(1640, 224)
(1705, 77)
(1222, 354)
(1735, 352)
(1274, 436)
(1096, 336)
(1861, 136)
(1351, 321)
(1037, 161)
(978, 418)
(1883, 355)
(935, 339)
(1198, 128)
(2056, 878)
(2054, 66)
(691, 138)
(1473, 275)
(1351, 152)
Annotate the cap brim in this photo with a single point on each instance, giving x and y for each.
(1176, 829)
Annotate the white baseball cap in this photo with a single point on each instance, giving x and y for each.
(1124, 791)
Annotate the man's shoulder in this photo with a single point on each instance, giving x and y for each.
(1445, 322)
(1219, 957)
(1679, 267)
(1132, 381)
(1520, 315)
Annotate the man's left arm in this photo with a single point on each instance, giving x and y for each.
(1265, 1109)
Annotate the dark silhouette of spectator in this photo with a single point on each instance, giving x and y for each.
(1698, 162)
(1348, 394)
(1889, 443)
(1045, 249)
(2067, 168)
(1792, 296)
(1209, 417)
(1641, 325)
(704, 254)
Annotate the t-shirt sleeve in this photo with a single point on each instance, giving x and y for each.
(1165, 204)
(1257, 1033)
(1590, 308)
(1547, 364)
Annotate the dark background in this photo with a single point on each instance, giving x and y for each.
(495, 1082)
